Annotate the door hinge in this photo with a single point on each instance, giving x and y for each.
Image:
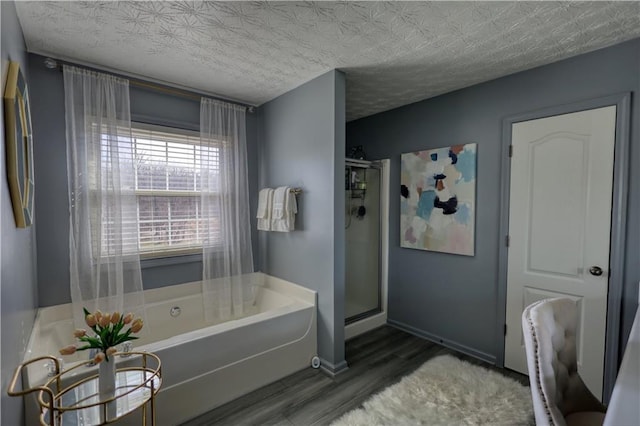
(507, 240)
(505, 329)
(510, 150)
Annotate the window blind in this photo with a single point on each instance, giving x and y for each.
(167, 189)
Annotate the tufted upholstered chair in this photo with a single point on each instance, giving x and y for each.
(559, 395)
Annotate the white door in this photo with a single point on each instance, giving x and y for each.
(559, 228)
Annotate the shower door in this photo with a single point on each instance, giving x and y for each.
(362, 221)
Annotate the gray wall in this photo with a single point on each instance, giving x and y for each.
(453, 298)
(302, 144)
(18, 271)
(52, 209)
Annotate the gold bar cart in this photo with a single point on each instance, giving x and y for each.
(138, 380)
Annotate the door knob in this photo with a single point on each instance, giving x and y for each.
(595, 270)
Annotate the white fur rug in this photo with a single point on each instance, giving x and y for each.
(447, 391)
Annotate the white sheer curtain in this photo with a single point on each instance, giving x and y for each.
(227, 253)
(103, 238)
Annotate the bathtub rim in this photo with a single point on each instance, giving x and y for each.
(158, 295)
(302, 298)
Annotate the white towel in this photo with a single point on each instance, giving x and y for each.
(263, 211)
(285, 207)
(291, 206)
(265, 201)
(279, 197)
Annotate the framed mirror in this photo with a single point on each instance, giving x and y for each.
(19, 146)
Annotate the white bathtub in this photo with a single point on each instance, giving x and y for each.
(202, 366)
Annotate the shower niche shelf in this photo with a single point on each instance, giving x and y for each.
(357, 193)
(356, 177)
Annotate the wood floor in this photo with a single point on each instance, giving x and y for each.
(376, 360)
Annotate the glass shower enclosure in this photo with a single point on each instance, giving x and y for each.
(362, 223)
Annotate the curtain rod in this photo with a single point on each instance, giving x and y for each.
(51, 63)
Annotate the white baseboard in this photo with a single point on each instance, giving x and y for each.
(364, 325)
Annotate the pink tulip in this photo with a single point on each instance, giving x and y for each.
(79, 332)
(98, 358)
(137, 325)
(111, 351)
(128, 318)
(104, 320)
(91, 320)
(115, 317)
(68, 350)
(97, 314)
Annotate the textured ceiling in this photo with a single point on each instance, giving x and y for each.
(393, 53)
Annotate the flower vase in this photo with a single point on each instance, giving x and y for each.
(107, 379)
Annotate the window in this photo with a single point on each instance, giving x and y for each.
(167, 191)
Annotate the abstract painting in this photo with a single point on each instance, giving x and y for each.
(437, 199)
